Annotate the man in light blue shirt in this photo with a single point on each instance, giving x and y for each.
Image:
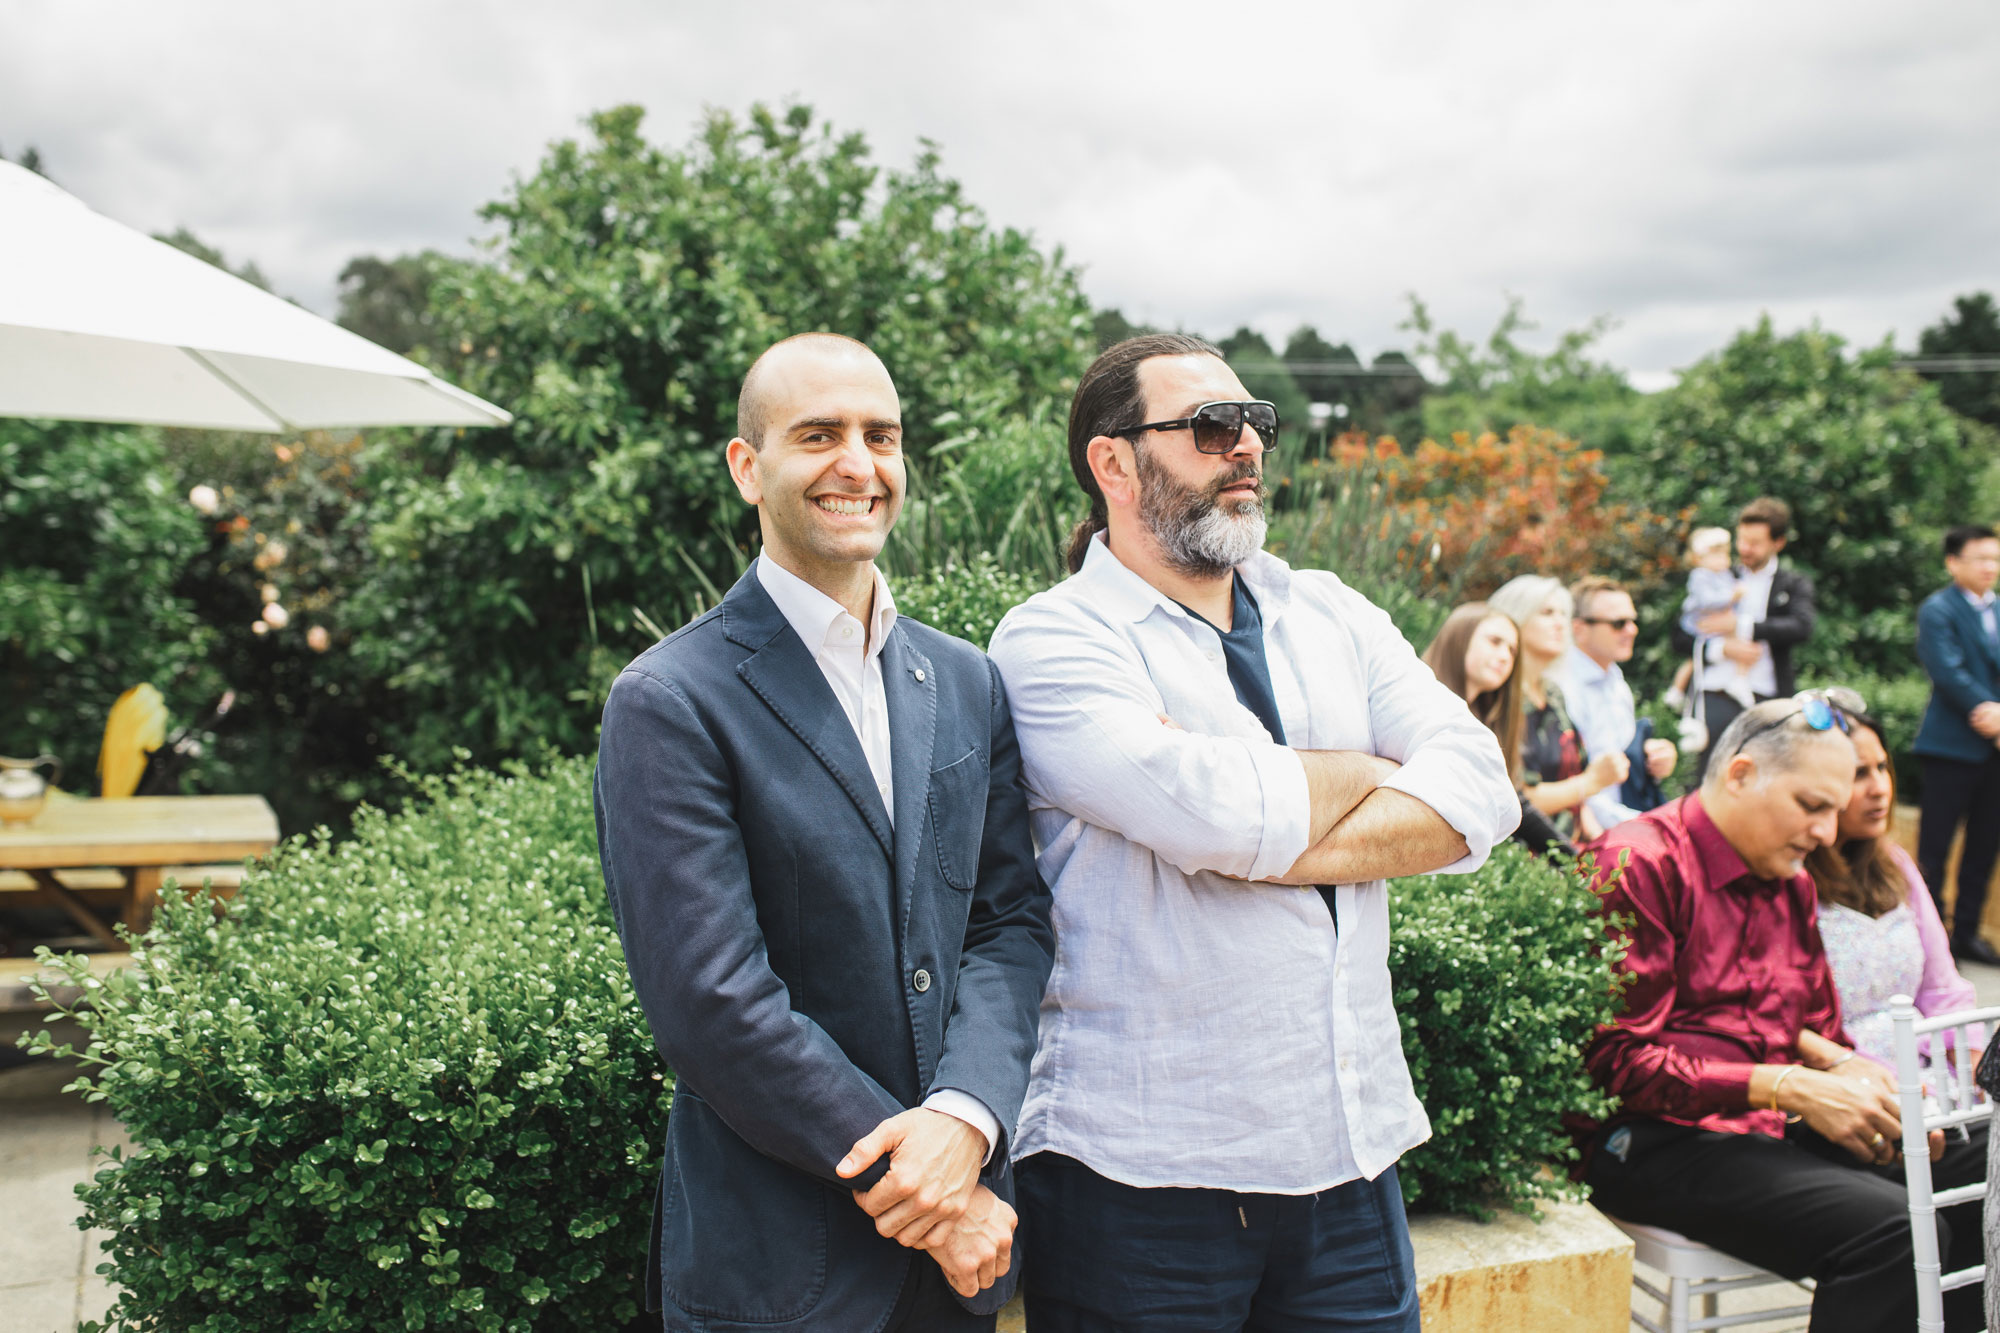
(1593, 685)
(1225, 758)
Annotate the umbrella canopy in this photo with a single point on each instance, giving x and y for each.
(102, 323)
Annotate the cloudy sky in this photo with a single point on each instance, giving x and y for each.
(1680, 167)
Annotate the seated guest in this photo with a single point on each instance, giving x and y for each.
(1476, 655)
(1557, 777)
(1745, 1122)
(1593, 685)
(1881, 930)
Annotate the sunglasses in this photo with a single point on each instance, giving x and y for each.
(1823, 710)
(1619, 625)
(1218, 426)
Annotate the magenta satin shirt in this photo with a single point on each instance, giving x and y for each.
(1727, 969)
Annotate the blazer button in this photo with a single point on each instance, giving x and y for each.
(922, 981)
(920, 680)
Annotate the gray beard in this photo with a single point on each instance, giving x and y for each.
(1197, 536)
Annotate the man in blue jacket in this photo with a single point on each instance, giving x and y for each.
(816, 845)
(1958, 640)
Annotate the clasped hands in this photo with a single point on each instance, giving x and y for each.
(1855, 1106)
(931, 1199)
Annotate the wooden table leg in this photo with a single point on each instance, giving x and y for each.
(145, 892)
(78, 910)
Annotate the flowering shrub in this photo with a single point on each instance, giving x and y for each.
(1501, 977)
(404, 1084)
(1535, 502)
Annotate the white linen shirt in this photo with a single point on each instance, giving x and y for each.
(1198, 1030)
(1600, 703)
(850, 657)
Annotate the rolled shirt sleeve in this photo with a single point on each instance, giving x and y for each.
(1093, 745)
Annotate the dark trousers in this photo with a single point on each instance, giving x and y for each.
(926, 1304)
(1801, 1207)
(1719, 710)
(1103, 1257)
(1956, 792)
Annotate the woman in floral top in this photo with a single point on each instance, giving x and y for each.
(1878, 923)
(1555, 777)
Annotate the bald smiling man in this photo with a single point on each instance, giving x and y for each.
(816, 846)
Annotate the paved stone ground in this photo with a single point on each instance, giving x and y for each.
(47, 1143)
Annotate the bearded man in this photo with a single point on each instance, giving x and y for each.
(1225, 758)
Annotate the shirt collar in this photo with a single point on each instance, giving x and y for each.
(1123, 592)
(1580, 667)
(812, 614)
(1721, 864)
(1980, 600)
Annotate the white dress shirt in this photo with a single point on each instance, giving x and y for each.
(1762, 675)
(850, 657)
(1982, 602)
(1600, 703)
(1198, 1030)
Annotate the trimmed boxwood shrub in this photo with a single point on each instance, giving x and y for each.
(1501, 977)
(403, 1084)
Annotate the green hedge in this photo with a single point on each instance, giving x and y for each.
(404, 1084)
(1501, 976)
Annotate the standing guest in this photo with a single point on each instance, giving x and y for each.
(1593, 685)
(817, 851)
(1751, 648)
(1959, 644)
(1711, 587)
(1225, 759)
(1558, 778)
(1881, 930)
(1744, 1121)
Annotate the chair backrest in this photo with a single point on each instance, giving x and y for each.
(1940, 1096)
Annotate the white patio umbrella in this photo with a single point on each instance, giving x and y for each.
(99, 322)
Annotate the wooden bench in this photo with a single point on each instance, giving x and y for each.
(18, 997)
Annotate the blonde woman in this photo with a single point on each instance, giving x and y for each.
(1555, 776)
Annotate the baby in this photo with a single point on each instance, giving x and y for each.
(1711, 587)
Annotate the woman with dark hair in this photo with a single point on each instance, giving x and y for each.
(1476, 654)
(1881, 929)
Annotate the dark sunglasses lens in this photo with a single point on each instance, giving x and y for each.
(1263, 419)
(1217, 427)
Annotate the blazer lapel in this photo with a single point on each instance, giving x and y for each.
(785, 676)
(1975, 625)
(910, 684)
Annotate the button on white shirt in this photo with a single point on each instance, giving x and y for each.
(1198, 1030)
(849, 655)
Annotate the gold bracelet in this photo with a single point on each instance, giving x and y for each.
(1779, 1082)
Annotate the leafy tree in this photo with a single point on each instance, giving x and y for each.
(188, 243)
(96, 539)
(1315, 365)
(1499, 384)
(629, 289)
(1871, 462)
(388, 301)
(1395, 393)
(1972, 329)
(30, 158)
(1111, 326)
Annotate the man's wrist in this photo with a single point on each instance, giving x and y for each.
(960, 1105)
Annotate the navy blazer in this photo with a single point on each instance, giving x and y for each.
(1964, 667)
(809, 970)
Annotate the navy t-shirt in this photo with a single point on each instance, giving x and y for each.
(1250, 676)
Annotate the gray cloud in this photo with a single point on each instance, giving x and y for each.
(1679, 166)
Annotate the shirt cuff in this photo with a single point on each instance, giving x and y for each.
(964, 1106)
(1287, 827)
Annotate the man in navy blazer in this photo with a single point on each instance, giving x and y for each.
(1958, 639)
(816, 846)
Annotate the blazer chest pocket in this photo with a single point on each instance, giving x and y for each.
(958, 817)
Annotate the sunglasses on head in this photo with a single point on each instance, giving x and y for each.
(1218, 426)
(1823, 710)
